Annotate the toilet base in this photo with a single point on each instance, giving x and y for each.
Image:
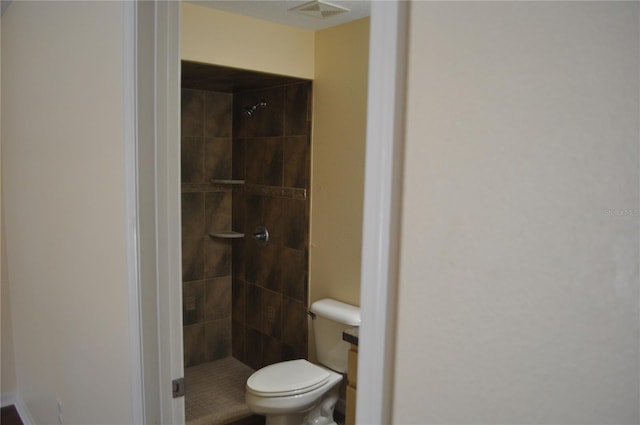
(288, 419)
(321, 414)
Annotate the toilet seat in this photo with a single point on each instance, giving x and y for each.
(287, 378)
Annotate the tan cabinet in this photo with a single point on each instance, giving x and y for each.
(352, 377)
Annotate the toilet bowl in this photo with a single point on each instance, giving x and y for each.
(287, 393)
(298, 392)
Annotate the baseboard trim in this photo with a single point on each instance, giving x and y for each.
(13, 398)
(21, 407)
(7, 399)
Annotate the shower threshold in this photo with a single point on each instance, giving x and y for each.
(214, 393)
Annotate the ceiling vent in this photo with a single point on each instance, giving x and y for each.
(319, 9)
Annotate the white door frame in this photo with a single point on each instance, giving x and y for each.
(382, 200)
(156, 333)
(152, 191)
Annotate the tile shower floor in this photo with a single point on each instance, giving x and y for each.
(214, 392)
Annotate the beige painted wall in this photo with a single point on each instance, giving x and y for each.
(62, 165)
(519, 283)
(7, 364)
(338, 145)
(221, 38)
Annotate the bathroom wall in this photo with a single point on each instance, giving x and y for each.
(206, 130)
(63, 200)
(339, 134)
(519, 285)
(271, 152)
(214, 36)
(8, 375)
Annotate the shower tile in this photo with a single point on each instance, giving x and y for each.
(264, 161)
(217, 294)
(238, 159)
(294, 226)
(253, 160)
(192, 259)
(271, 169)
(273, 218)
(263, 265)
(218, 110)
(217, 158)
(295, 109)
(238, 341)
(251, 261)
(192, 160)
(253, 348)
(293, 275)
(238, 258)
(192, 302)
(268, 273)
(254, 208)
(271, 351)
(238, 300)
(293, 353)
(294, 323)
(217, 257)
(253, 314)
(305, 298)
(295, 162)
(194, 345)
(217, 211)
(239, 124)
(238, 211)
(271, 313)
(192, 113)
(192, 215)
(218, 339)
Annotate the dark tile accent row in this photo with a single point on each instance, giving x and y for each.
(283, 192)
(206, 187)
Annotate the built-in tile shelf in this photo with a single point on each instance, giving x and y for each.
(227, 235)
(225, 181)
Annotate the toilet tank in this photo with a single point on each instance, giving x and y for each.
(332, 317)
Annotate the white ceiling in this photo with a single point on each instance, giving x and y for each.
(278, 11)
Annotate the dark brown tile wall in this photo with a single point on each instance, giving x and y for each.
(271, 152)
(240, 298)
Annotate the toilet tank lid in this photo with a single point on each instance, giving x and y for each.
(337, 311)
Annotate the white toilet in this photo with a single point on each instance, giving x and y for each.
(298, 392)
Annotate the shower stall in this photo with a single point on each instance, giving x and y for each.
(245, 167)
